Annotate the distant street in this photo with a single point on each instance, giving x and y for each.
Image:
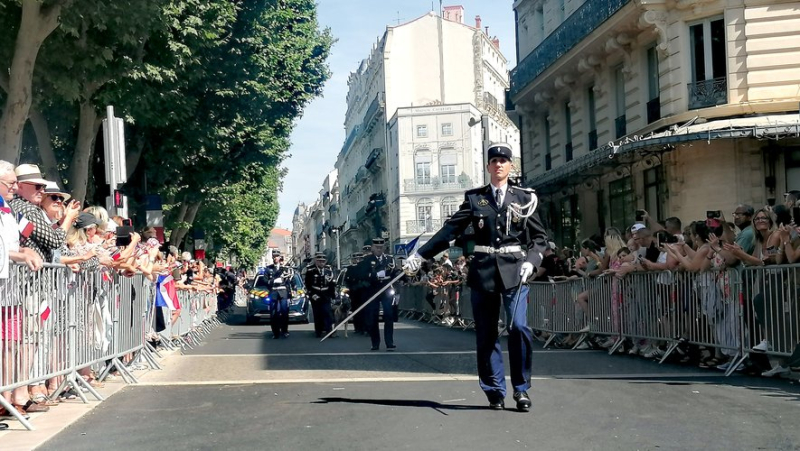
(242, 390)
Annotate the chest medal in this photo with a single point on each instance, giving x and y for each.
(480, 223)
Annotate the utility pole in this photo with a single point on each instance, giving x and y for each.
(338, 257)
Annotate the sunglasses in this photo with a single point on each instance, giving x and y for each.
(56, 198)
(760, 218)
(39, 187)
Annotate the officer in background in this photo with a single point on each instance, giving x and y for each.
(321, 287)
(279, 283)
(379, 269)
(355, 284)
(509, 242)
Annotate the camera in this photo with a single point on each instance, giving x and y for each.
(796, 215)
(713, 214)
(640, 215)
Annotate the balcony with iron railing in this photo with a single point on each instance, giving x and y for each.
(568, 152)
(708, 93)
(374, 112)
(430, 184)
(572, 31)
(423, 226)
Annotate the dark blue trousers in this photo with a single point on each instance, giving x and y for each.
(486, 311)
(279, 315)
(373, 314)
(323, 316)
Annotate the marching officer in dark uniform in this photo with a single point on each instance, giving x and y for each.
(354, 280)
(509, 242)
(379, 268)
(321, 287)
(279, 283)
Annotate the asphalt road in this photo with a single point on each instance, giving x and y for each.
(241, 390)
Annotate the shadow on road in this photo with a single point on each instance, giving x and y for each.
(437, 406)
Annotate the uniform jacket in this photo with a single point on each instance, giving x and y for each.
(370, 267)
(320, 282)
(280, 278)
(493, 272)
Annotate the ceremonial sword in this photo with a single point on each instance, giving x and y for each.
(364, 305)
(513, 312)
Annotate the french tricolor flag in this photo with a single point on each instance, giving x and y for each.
(25, 226)
(166, 294)
(44, 310)
(3, 207)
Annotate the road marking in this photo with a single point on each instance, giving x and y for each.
(447, 378)
(351, 354)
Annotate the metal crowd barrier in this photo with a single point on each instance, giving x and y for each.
(55, 323)
(733, 310)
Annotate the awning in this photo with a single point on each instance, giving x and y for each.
(631, 148)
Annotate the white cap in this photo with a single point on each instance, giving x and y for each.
(637, 227)
(111, 226)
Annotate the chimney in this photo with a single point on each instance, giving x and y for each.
(496, 42)
(487, 30)
(478, 22)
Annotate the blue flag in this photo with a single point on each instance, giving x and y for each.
(411, 245)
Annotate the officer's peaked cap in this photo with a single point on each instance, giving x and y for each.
(498, 150)
(378, 240)
(319, 256)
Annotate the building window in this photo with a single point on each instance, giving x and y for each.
(620, 122)
(548, 157)
(709, 85)
(792, 165)
(567, 132)
(653, 87)
(449, 206)
(569, 229)
(654, 192)
(591, 112)
(422, 131)
(621, 203)
(447, 129)
(423, 173)
(425, 215)
(448, 173)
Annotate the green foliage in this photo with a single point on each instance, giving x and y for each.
(210, 90)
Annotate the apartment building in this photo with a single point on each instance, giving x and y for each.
(672, 106)
(420, 109)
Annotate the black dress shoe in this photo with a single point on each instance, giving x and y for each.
(497, 404)
(275, 337)
(374, 348)
(391, 347)
(523, 401)
(3, 426)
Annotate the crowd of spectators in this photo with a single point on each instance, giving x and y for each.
(41, 224)
(706, 249)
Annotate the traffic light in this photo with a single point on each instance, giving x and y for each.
(119, 199)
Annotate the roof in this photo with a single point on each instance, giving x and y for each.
(281, 232)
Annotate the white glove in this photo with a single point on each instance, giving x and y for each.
(526, 271)
(412, 264)
(381, 274)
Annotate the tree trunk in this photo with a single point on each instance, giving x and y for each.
(46, 153)
(78, 176)
(191, 213)
(178, 220)
(37, 23)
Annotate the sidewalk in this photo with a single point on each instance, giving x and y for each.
(17, 438)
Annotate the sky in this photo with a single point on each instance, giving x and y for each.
(357, 25)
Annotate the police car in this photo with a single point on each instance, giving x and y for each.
(259, 302)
